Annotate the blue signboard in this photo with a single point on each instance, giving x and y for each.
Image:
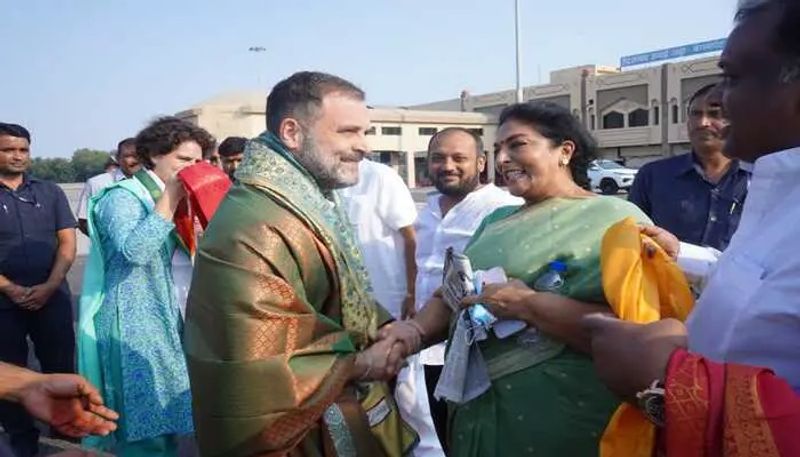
(673, 53)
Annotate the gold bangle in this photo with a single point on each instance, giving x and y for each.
(419, 330)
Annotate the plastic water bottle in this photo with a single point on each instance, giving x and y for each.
(551, 281)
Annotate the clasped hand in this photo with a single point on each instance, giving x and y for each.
(30, 298)
(384, 358)
(400, 339)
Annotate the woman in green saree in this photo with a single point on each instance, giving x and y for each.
(544, 397)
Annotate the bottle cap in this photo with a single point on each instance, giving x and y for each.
(558, 266)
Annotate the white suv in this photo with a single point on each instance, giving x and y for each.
(609, 177)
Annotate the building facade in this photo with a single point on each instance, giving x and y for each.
(397, 137)
(636, 115)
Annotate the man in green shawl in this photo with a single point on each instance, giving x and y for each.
(280, 323)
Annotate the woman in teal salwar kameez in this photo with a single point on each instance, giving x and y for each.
(544, 398)
(130, 325)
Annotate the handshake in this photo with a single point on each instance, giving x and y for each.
(382, 360)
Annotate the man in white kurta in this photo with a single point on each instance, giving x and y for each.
(749, 310)
(382, 212)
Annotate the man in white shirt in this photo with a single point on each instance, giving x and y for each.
(455, 161)
(749, 311)
(382, 212)
(128, 163)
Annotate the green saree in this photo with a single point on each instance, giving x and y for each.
(545, 398)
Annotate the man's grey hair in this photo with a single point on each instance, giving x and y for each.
(786, 35)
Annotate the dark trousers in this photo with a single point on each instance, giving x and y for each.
(438, 407)
(53, 336)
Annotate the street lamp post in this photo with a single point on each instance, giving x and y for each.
(519, 58)
(257, 50)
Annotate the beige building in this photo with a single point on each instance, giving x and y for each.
(636, 115)
(397, 136)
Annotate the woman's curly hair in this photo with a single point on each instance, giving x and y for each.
(165, 134)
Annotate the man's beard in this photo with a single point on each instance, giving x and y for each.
(321, 166)
(15, 170)
(458, 190)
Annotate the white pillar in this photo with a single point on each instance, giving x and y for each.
(517, 50)
(411, 174)
(490, 165)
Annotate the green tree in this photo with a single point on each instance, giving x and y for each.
(88, 162)
(58, 169)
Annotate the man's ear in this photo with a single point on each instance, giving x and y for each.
(290, 133)
(481, 162)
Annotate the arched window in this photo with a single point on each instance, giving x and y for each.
(613, 120)
(674, 114)
(639, 118)
(656, 115)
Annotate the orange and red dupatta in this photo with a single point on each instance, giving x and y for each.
(728, 410)
(712, 410)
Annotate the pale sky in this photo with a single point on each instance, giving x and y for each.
(87, 73)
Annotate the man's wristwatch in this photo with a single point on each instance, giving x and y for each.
(651, 402)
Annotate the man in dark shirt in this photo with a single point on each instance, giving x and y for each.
(37, 248)
(697, 196)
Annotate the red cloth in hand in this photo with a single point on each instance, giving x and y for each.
(206, 186)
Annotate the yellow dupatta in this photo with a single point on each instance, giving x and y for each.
(639, 288)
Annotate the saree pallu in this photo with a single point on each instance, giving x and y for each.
(728, 410)
(640, 287)
(545, 399)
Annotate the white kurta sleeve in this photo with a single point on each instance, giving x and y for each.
(396, 206)
(697, 263)
(83, 201)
